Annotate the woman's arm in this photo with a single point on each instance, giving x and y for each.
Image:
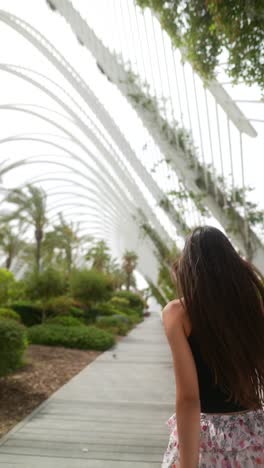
(187, 389)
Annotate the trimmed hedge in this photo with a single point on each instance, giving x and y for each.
(77, 312)
(12, 345)
(90, 286)
(105, 308)
(82, 337)
(117, 322)
(65, 320)
(135, 301)
(30, 314)
(64, 305)
(9, 314)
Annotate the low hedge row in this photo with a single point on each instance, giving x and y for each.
(121, 324)
(80, 337)
(65, 320)
(13, 343)
(30, 314)
(6, 313)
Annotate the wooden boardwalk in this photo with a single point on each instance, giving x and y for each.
(111, 415)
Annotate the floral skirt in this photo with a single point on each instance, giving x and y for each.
(226, 441)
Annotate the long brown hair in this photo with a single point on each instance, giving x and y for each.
(224, 298)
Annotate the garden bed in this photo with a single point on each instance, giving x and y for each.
(46, 369)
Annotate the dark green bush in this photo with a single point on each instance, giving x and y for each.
(65, 320)
(105, 308)
(90, 286)
(44, 285)
(82, 337)
(7, 284)
(77, 312)
(135, 301)
(120, 302)
(117, 322)
(12, 345)
(9, 314)
(60, 305)
(30, 314)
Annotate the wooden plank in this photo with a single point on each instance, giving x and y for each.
(113, 413)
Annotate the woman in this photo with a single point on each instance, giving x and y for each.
(216, 335)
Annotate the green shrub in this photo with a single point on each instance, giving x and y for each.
(9, 314)
(105, 308)
(76, 337)
(77, 312)
(117, 322)
(30, 314)
(90, 286)
(119, 302)
(130, 312)
(60, 305)
(65, 320)
(12, 345)
(7, 284)
(44, 285)
(118, 316)
(135, 301)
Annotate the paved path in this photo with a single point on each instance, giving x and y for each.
(111, 415)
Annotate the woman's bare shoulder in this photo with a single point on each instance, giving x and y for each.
(174, 312)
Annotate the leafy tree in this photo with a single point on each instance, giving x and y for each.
(43, 286)
(100, 256)
(205, 29)
(117, 274)
(129, 264)
(61, 244)
(11, 243)
(90, 286)
(30, 209)
(7, 284)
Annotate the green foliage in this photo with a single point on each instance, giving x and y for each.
(155, 292)
(9, 314)
(166, 284)
(99, 255)
(113, 319)
(65, 320)
(60, 245)
(29, 313)
(103, 308)
(161, 247)
(117, 322)
(30, 209)
(129, 263)
(18, 292)
(119, 302)
(135, 301)
(44, 285)
(10, 243)
(204, 29)
(77, 312)
(7, 284)
(60, 305)
(90, 286)
(12, 346)
(82, 337)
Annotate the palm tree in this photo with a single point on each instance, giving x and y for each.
(31, 210)
(10, 243)
(130, 259)
(100, 256)
(61, 243)
(117, 274)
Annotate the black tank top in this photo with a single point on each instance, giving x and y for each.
(212, 398)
